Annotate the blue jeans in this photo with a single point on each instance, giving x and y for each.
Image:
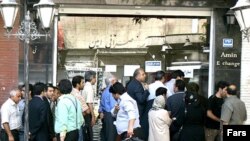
(81, 134)
(21, 135)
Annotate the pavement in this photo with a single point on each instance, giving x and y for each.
(96, 131)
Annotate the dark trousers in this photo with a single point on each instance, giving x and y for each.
(4, 136)
(88, 128)
(109, 127)
(70, 136)
(138, 132)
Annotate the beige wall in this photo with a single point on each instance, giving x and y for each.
(82, 32)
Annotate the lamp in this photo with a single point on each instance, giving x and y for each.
(230, 17)
(242, 11)
(9, 10)
(26, 32)
(187, 42)
(27, 29)
(45, 10)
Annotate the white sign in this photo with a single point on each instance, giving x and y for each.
(152, 66)
(130, 69)
(188, 70)
(228, 42)
(110, 68)
(189, 73)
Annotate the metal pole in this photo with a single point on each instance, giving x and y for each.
(26, 76)
(54, 63)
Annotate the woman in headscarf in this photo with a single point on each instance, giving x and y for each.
(195, 113)
(159, 121)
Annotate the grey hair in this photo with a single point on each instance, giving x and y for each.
(137, 72)
(109, 79)
(13, 92)
(89, 75)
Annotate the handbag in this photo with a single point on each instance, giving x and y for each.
(133, 139)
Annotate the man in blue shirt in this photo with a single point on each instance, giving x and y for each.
(107, 103)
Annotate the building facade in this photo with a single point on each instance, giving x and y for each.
(224, 61)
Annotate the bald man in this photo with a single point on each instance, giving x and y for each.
(233, 110)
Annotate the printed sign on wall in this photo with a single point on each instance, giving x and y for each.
(152, 66)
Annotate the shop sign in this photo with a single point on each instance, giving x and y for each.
(228, 42)
(152, 66)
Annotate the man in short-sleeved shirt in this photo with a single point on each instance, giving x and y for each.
(78, 85)
(88, 92)
(233, 110)
(10, 117)
(68, 113)
(215, 102)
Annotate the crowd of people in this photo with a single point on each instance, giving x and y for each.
(170, 110)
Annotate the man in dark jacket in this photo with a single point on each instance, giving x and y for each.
(138, 90)
(47, 99)
(38, 110)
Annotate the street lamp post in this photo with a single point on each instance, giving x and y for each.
(242, 12)
(27, 32)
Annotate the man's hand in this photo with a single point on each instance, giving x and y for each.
(101, 115)
(54, 139)
(93, 121)
(11, 138)
(117, 108)
(62, 138)
(130, 132)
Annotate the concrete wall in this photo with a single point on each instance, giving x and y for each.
(180, 3)
(123, 32)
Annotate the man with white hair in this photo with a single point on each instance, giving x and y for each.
(107, 103)
(11, 119)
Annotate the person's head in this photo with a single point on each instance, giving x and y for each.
(231, 89)
(15, 95)
(78, 82)
(190, 98)
(90, 76)
(221, 87)
(140, 75)
(179, 85)
(39, 89)
(193, 87)
(178, 74)
(56, 94)
(65, 86)
(22, 89)
(117, 89)
(161, 91)
(160, 75)
(110, 80)
(49, 90)
(159, 102)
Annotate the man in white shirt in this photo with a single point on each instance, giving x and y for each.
(89, 94)
(11, 117)
(176, 75)
(126, 112)
(159, 80)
